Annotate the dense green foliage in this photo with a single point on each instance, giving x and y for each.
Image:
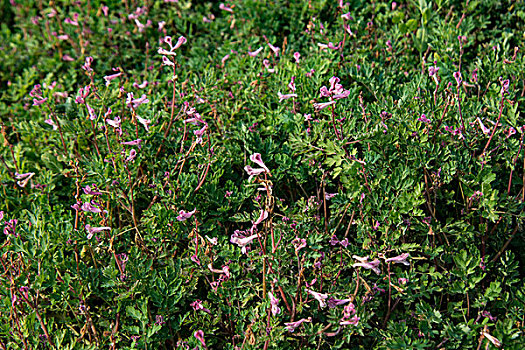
(359, 185)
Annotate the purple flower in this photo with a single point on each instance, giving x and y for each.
(432, 71)
(183, 216)
(400, 259)
(291, 326)
(363, 262)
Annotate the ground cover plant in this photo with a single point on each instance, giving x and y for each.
(262, 174)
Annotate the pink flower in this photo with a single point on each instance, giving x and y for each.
(274, 302)
(183, 216)
(132, 143)
(114, 122)
(109, 78)
(91, 112)
(51, 122)
(88, 207)
(132, 155)
(321, 106)
(141, 86)
(182, 40)
(241, 241)
(92, 230)
(320, 297)
(224, 59)
(291, 84)
(483, 127)
(74, 21)
(200, 337)
(135, 102)
(225, 8)
(457, 76)
(285, 97)
(39, 102)
(297, 56)
(256, 52)
(23, 178)
(346, 16)
(291, 326)
(274, 49)
(144, 122)
(253, 172)
(257, 159)
(90, 191)
(299, 243)
(400, 259)
(423, 119)
(167, 62)
(363, 262)
(87, 64)
(352, 321)
(82, 94)
(263, 216)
